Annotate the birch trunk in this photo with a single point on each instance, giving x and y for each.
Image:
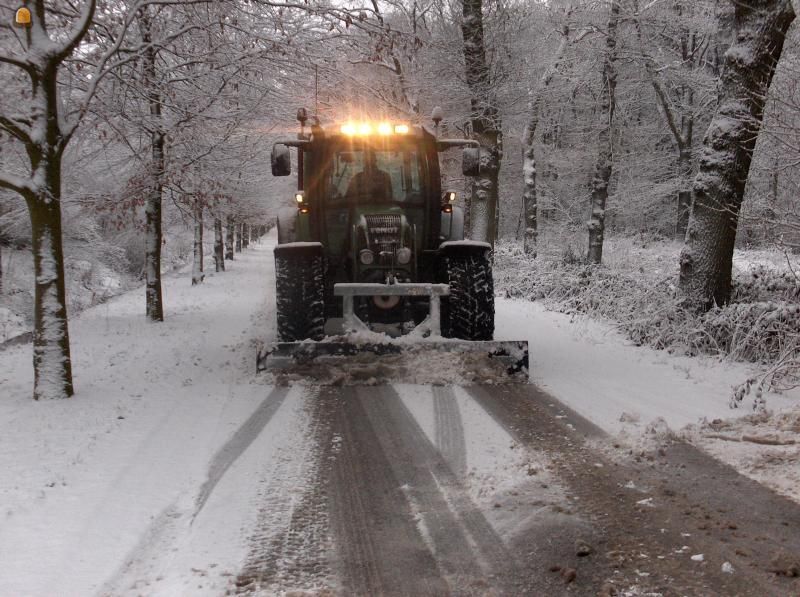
(219, 250)
(229, 234)
(486, 126)
(749, 65)
(197, 266)
(605, 159)
(238, 228)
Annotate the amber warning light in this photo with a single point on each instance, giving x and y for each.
(364, 129)
(22, 18)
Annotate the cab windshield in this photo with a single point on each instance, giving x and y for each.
(375, 175)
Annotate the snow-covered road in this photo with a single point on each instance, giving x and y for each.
(176, 471)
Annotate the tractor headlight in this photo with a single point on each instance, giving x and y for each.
(366, 256)
(403, 255)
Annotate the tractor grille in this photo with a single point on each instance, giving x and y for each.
(384, 232)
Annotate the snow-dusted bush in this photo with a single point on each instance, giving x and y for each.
(762, 283)
(762, 327)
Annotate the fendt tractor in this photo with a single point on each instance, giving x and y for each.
(371, 258)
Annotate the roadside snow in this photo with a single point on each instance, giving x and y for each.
(626, 390)
(91, 484)
(618, 386)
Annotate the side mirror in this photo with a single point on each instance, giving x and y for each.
(471, 161)
(281, 160)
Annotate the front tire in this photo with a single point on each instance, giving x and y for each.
(300, 292)
(468, 313)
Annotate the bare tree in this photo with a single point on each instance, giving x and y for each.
(154, 304)
(605, 159)
(529, 197)
(219, 249)
(749, 65)
(229, 237)
(486, 125)
(45, 130)
(693, 46)
(197, 267)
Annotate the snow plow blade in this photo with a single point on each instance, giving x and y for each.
(343, 362)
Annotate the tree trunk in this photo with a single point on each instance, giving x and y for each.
(529, 196)
(45, 131)
(219, 251)
(238, 228)
(229, 234)
(605, 159)
(153, 235)
(52, 364)
(749, 64)
(243, 234)
(530, 205)
(684, 194)
(197, 267)
(486, 126)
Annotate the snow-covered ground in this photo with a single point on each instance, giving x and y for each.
(89, 483)
(626, 390)
(148, 480)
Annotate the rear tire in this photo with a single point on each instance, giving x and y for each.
(300, 293)
(468, 313)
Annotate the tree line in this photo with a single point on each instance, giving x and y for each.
(620, 115)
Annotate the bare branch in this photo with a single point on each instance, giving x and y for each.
(16, 184)
(16, 127)
(78, 31)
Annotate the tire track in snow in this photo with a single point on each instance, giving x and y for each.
(449, 429)
(379, 548)
(402, 519)
(241, 440)
(288, 548)
(644, 538)
(168, 531)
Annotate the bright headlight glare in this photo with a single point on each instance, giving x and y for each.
(401, 129)
(365, 128)
(349, 128)
(384, 128)
(403, 255)
(299, 197)
(366, 256)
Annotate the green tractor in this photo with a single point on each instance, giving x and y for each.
(373, 249)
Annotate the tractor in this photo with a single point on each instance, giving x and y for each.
(372, 244)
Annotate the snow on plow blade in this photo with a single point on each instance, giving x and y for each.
(343, 362)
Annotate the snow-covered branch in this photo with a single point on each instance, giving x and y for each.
(18, 127)
(14, 60)
(17, 184)
(78, 31)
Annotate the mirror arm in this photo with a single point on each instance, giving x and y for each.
(294, 142)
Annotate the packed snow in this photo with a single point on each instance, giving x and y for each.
(148, 481)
